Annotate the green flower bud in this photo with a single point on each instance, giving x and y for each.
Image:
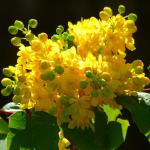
(33, 23)
(95, 93)
(132, 16)
(108, 10)
(6, 91)
(49, 75)
(19, 24)
(65, 35)
(6, 81)
(139, 70)
(64, 100)
(70, 37)
(55, 37)
(59, 69)
(29, 36)
(121, 9)
(104, 15)
(12, 30)
(89, 74)
(16, 41)
(44, 65)
(106, 91)
(59, 29)
(100, 50)
(98, 82)
(83, 84)
(7, 72)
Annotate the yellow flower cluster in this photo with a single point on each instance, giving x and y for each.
(75, 71)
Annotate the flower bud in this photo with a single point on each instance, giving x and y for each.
(121, 9)
(33, 23)
(19, 24)
(6, 81)
(12, 30)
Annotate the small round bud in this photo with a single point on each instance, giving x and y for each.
(95, 93)
(29, 36)
(59, 69)
(55, 37)
(36, 45)
(64, 100)
(121, 9)
(132, 16)
(106, 91)
(19, 24)
(70, 37)
(139, 70)
(49, 75)
(33, 23)
(89, 74)
(83, 84)
(12, 30)
(104, 15)
(130, 24)
(43, 37)
(136, 63)
(16, 41)
(106, 76)
(59, 29)
(108, 10)
(100, 50)
(7, 72)
(6, 91)
(44, 65)
(6, 81)
(65, 35)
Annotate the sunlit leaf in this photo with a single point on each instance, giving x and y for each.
(111, 113)
(40, 133)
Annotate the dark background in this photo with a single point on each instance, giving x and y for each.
(51, 13)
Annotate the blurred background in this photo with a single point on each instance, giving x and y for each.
(51, 13)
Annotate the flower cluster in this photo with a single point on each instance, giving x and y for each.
(74, 71)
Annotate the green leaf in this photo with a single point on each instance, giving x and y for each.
(18, 120)
(111, 113)
(140, 112)
(100, 129)
(44, 130)
(124, 126)
(41, 133)
(3, 127)
(114, 135)
(82, 139)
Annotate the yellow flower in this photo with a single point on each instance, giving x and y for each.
(75, 71)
